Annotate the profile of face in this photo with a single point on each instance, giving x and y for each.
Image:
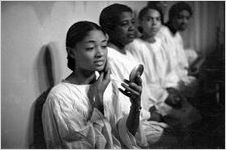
(91, 53)
(151, 22)
(124, 31)
(181, 20)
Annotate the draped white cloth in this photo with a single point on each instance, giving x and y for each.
(150, 132)
(156, 60)
(175, 50)
(174, 47)
(163, 71)
(191, 55)
(160, 74)
(70, 120)
(121, 67)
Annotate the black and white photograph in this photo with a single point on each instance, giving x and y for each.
(113, 74)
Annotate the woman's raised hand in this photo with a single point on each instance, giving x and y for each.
(133, 90)
(97, 89)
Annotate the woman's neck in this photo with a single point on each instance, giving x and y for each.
(81, 76)
(117, 47)
(148, 38)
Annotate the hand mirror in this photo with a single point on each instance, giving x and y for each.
(138, 70)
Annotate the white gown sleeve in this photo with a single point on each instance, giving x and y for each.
(191, 55)
(67, 124)
(65, 127)
(120, 118)
(152, 92)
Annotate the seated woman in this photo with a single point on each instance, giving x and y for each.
(153, 47)
(150, 50)
(118, 21)
(83, 111)
(154, 51)
(179, 15)
(151, 21)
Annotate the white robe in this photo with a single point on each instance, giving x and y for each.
(121, 65)
(178, 59)
(191, 55)
(157, 62)
(159, 75)
(70, 120)
(175, 48)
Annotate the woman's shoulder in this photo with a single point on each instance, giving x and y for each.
(112, 52)
(137, 45)
(115, 57)
(164, 31)
(158, 41)
(59, 89)
(64, 91)
(138, 41)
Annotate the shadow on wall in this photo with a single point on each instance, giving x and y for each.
(45, 67)
(46, 82)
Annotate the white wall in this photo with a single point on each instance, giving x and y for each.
(26, 29)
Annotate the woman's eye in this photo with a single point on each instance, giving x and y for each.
(149, 18)
(89, 48)
(104, 46)
(180, 17)
(124, 23)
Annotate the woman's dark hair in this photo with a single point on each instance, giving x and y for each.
(177, 8)
(109, 16)
(76, 33)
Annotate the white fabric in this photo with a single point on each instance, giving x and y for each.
(122, 65)
(157, 62)
(70, 121)
(160, 59)
(160, 76)
(175, 49)
(157, 75)
(191, 55)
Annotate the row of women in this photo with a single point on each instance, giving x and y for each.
(97, 106)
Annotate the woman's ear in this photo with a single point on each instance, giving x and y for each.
(107, 37)
(70, 52)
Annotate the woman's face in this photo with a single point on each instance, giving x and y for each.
(151, 22)
(125, 29)
(91, 53)
(181, 20)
